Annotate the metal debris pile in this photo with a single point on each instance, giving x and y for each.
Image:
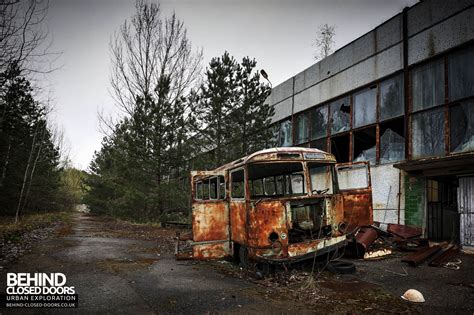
(375, 242)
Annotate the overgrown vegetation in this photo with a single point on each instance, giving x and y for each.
(172, 123)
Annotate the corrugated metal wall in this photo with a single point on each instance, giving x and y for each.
(466, 210)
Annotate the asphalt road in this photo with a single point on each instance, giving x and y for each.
(118, 275)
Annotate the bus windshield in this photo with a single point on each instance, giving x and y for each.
(276, 179)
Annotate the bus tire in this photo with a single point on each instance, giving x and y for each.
(244, 257)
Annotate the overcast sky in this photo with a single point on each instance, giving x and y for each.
(279, 34)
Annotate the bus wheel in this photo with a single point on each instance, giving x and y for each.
(244, 257)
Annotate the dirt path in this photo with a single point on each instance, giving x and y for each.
(119, 275)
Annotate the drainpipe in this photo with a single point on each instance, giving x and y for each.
(406, 77)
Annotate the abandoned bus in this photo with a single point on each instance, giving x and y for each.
(278, 205)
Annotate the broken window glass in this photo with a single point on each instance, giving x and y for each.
(286, 134)
(321, 178)
(365, 112)
(428, 86)
(275, 132)
(320, 144)
(340, 115)
(319, 122)
(392, 141)
(301, 131)
(428, 133)
(461, 74)
(340, 148)
(365, 145)
(462, 127)
(391, 98)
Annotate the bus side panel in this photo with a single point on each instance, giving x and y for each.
(264, 218)
(238, 222)
(210, 221)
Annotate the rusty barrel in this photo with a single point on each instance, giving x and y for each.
(363, 239)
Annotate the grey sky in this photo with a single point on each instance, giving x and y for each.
(277, 33)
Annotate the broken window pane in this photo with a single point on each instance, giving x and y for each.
(365, 112)
(301, 131)
(365, 145)
(319, 122)
(320, 144)
(428, 86)
(462, 127)
(461, 74)
(285, 134)
(428, 133)
(321, 178)
(275, 132)
(340, 115)
(340, 148)
(391, 98)
(392, 141)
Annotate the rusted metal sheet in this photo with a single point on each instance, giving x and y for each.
(211, 251)
(358, 209)
(266, 217)
(421, 255)
(365, 237)
(210, 221)
(238, 221)
(404, 231)
(444, 256)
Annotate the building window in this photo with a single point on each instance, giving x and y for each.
(340, 115)
(319, 122)
(428, 86)
(320, 144)
(301, 129)
(286, 134)
(365, 144)
(391, 98)
(340, 148)
(392, 141)
(365, 110)
(275, 132)
(462, 127)
(428, 133)
(461, 74)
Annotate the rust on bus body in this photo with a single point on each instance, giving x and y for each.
(275, 228)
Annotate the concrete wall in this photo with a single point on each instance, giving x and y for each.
(434, 26)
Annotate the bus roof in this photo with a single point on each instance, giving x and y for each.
(282, 154)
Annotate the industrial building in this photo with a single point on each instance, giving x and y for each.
(402, 97)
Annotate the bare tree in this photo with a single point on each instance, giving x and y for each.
(24, 36)
(145, 50)
(324, 41)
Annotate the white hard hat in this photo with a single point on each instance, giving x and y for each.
(413, 295)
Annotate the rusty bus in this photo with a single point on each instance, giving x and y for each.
(278, 205)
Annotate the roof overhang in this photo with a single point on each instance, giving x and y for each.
(453, 165)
